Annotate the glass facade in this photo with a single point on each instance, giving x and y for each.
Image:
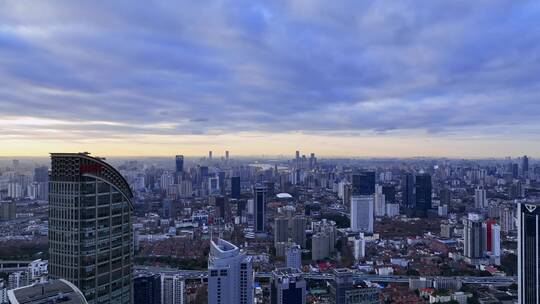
(90, 234)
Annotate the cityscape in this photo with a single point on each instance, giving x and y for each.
(280, 152)
(304, 229)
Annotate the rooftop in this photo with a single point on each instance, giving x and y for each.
(56, 291)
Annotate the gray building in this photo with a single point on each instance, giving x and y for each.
(281, 230)
(90, 231)
(298, 230)
(345, 291)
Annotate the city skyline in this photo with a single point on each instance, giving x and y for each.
(453, 79)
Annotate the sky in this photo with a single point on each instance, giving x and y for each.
(338, 78)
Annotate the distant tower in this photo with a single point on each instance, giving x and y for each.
(179, 163)
(312, 161)
(259, 198)
(528, 252)
(408, 191)
(473, 237)
(281, 230)
(525, 166)
(230, 274)
(227, 155)
(235, 187)
(298, 231)
(210, 155)
(423, 193)
(380, 201)
(480, 201)
(362, 202)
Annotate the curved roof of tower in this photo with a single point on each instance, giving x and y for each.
(109, 173)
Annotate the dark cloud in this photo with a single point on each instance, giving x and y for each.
(192, 67)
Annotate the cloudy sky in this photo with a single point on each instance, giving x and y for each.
(364, 78)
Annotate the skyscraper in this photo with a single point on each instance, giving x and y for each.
(380, 201)
(287, 286)
(528, 252)
(408, 191)
(480, 200)
(179, 163)
(362, 202)
(281, 230)
(147, 289)
(210, 155)
(230, 274)
(90, 232)
(525, 165)
(226, 155)
(298, 231)
(235, 187)
(423, 193)
(473, 237)
(259, 197)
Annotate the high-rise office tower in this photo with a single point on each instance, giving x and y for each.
(90, 232)
(210, 155)
(408, 191)
(235, 187)
(473, 237)
(293, 257)
(259, 199)
(230, 274)
(480, 200)
(298, 231)
(423, 192)
(525, 165)
(281, 230)
(287, 286)
(362, 202)
(179, 160)
(227, 155)
(147, 289)
(173, 289)
(528, 252)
